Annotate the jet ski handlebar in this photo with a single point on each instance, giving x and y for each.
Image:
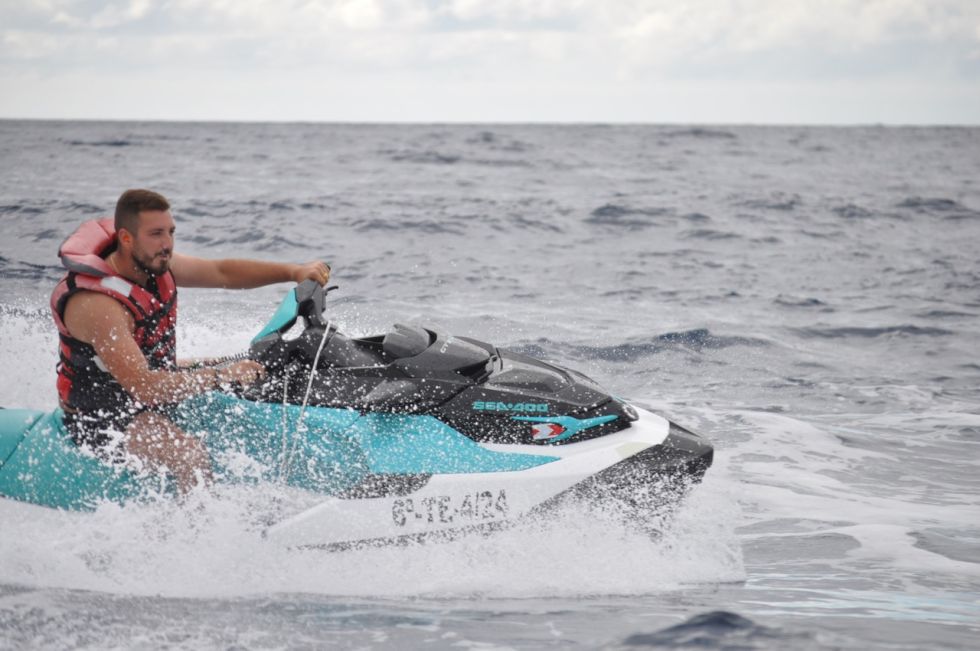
(310, 299)
(307, 301)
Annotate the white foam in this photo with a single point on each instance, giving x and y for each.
(213, 547)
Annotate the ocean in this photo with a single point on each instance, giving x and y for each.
(808, 298)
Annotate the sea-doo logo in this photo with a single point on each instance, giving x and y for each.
(536, 407)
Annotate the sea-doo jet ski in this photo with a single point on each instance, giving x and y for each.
(407, 435)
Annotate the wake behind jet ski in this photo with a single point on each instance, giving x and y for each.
(411, 434)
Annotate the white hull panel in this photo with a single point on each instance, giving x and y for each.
(453, 502)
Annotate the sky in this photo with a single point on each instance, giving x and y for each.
(611, 61)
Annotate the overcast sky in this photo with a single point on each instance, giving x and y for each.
(697, 61)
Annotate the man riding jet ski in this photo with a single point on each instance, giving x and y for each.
(116, 312)
(410, 434)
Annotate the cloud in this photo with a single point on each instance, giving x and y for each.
(522, 43)
(647, 30)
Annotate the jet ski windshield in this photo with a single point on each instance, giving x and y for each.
(305, 300)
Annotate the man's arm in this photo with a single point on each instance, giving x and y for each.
(243, 274)
(102, 322)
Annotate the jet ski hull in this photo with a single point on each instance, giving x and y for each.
(412, 434)
(377, 502)
(451, 504)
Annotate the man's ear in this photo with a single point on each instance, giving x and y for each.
(125, 237)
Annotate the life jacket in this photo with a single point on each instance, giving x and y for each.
(84, 383)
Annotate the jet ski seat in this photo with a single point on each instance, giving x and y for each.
(406, 341)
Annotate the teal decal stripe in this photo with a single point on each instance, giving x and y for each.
(328, 453)
(571, 424)
(14, 425)
(424, 444)
(47, 468)
(283, 318)
(316, 454)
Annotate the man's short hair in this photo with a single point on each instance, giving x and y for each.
(132, 203)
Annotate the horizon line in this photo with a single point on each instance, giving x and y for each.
(509, 123)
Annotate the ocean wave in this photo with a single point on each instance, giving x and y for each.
(198, 239)
(696, 217)
(778, 201)
(203, 209)
(434, 157)
(278, 242)
(243, 237)
(946, 208)
(492, 141)
(192, 211)
(312, 205)
(43, 207)
(103, 143)
(710, 234)
(499, 162)
(945, 314)
(611, 214)
(428, 226)
(21, 208)
(697, 340)
(946, 546)
(829, 235)
(48, 234)
(702, 133)
(871, 333)
(428, 157)
(791, 301)
(526, 223)
(721, 630)
(852, 211)
(28, 270)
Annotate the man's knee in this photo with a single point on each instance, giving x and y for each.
(156, 436)
(156, 440)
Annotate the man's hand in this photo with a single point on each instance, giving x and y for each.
(318, 271)
(245, 372)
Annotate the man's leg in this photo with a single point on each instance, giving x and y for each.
(154, 439)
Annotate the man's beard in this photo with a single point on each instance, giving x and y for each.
(145, 264)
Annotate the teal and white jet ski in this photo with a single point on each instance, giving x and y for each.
(407, 435)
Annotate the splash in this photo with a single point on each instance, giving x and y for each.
(212, 546)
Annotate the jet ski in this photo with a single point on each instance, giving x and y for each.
(407, 435)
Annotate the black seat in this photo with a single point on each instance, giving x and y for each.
(406, 341)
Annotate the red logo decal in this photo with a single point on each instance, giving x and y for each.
(545, 431)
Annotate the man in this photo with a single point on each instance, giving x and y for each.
(116, 311)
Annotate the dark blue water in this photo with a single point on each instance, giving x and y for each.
(808, 298)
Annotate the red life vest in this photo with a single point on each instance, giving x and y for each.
(83, 381)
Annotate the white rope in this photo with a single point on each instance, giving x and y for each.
(287, 457)
(285, 421)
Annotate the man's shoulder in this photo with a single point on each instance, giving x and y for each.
(91, 297)
(87, 312)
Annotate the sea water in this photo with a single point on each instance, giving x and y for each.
(806, 298)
